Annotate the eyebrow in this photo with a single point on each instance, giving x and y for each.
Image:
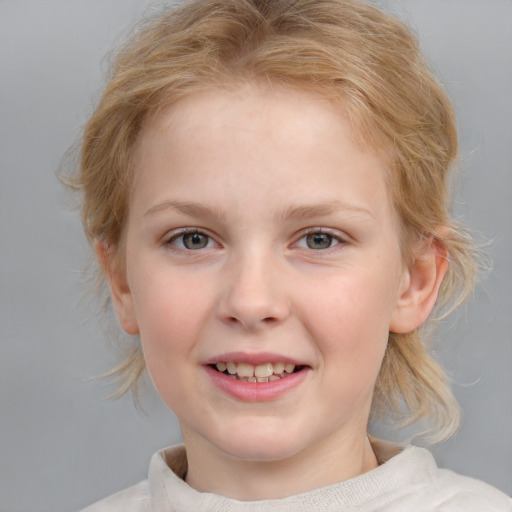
(321, 210)
(302, 212)
(186, 208)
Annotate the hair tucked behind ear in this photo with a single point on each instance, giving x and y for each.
(356, 56)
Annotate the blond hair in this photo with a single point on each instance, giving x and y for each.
(353, 54)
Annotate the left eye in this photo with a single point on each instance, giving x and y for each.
(318, 241)
(192, 241)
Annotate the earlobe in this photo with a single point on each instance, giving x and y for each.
(119, 289)
(420, 288)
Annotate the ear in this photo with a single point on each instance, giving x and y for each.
(120, 292)
(420, 287)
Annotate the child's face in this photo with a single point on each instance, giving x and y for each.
(260, 232)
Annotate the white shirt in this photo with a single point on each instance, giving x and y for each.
(408, 480)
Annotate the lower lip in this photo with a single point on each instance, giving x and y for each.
(256, 391)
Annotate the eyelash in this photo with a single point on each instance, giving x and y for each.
(170, 241)
(333, 237)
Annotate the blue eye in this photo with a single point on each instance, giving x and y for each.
(192, 241)
(318, 240)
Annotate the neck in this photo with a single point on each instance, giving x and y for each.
(210, 470)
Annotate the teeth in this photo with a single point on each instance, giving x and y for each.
(288, 368)
(245, 370)
(278, 368)
(267, 372)
(264, 370)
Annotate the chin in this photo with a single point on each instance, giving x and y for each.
(260, 446)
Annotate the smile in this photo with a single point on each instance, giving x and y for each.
(266, 372)
(257, 377)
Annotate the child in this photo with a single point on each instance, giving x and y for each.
(264, 184)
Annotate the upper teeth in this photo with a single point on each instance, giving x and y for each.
(258, 371)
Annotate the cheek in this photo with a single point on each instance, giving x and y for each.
(167, 300)
(349, 319)
(350, 306)
(167, 329)
(170, 313)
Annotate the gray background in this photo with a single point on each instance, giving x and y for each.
(62, 445)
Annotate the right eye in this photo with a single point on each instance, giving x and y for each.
(192, 241)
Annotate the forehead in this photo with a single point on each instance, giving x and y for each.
(241, 134)
(259, 100)
(273, 105)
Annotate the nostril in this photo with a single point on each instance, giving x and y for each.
(269, 320)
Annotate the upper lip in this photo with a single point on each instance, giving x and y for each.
(254, 359)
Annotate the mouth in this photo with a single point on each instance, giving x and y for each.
(260, 373)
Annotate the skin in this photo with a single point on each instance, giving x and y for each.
(254, 171)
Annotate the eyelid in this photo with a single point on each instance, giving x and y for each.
(341, 237)
(177, 233)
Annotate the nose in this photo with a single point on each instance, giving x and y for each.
(254, 294)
